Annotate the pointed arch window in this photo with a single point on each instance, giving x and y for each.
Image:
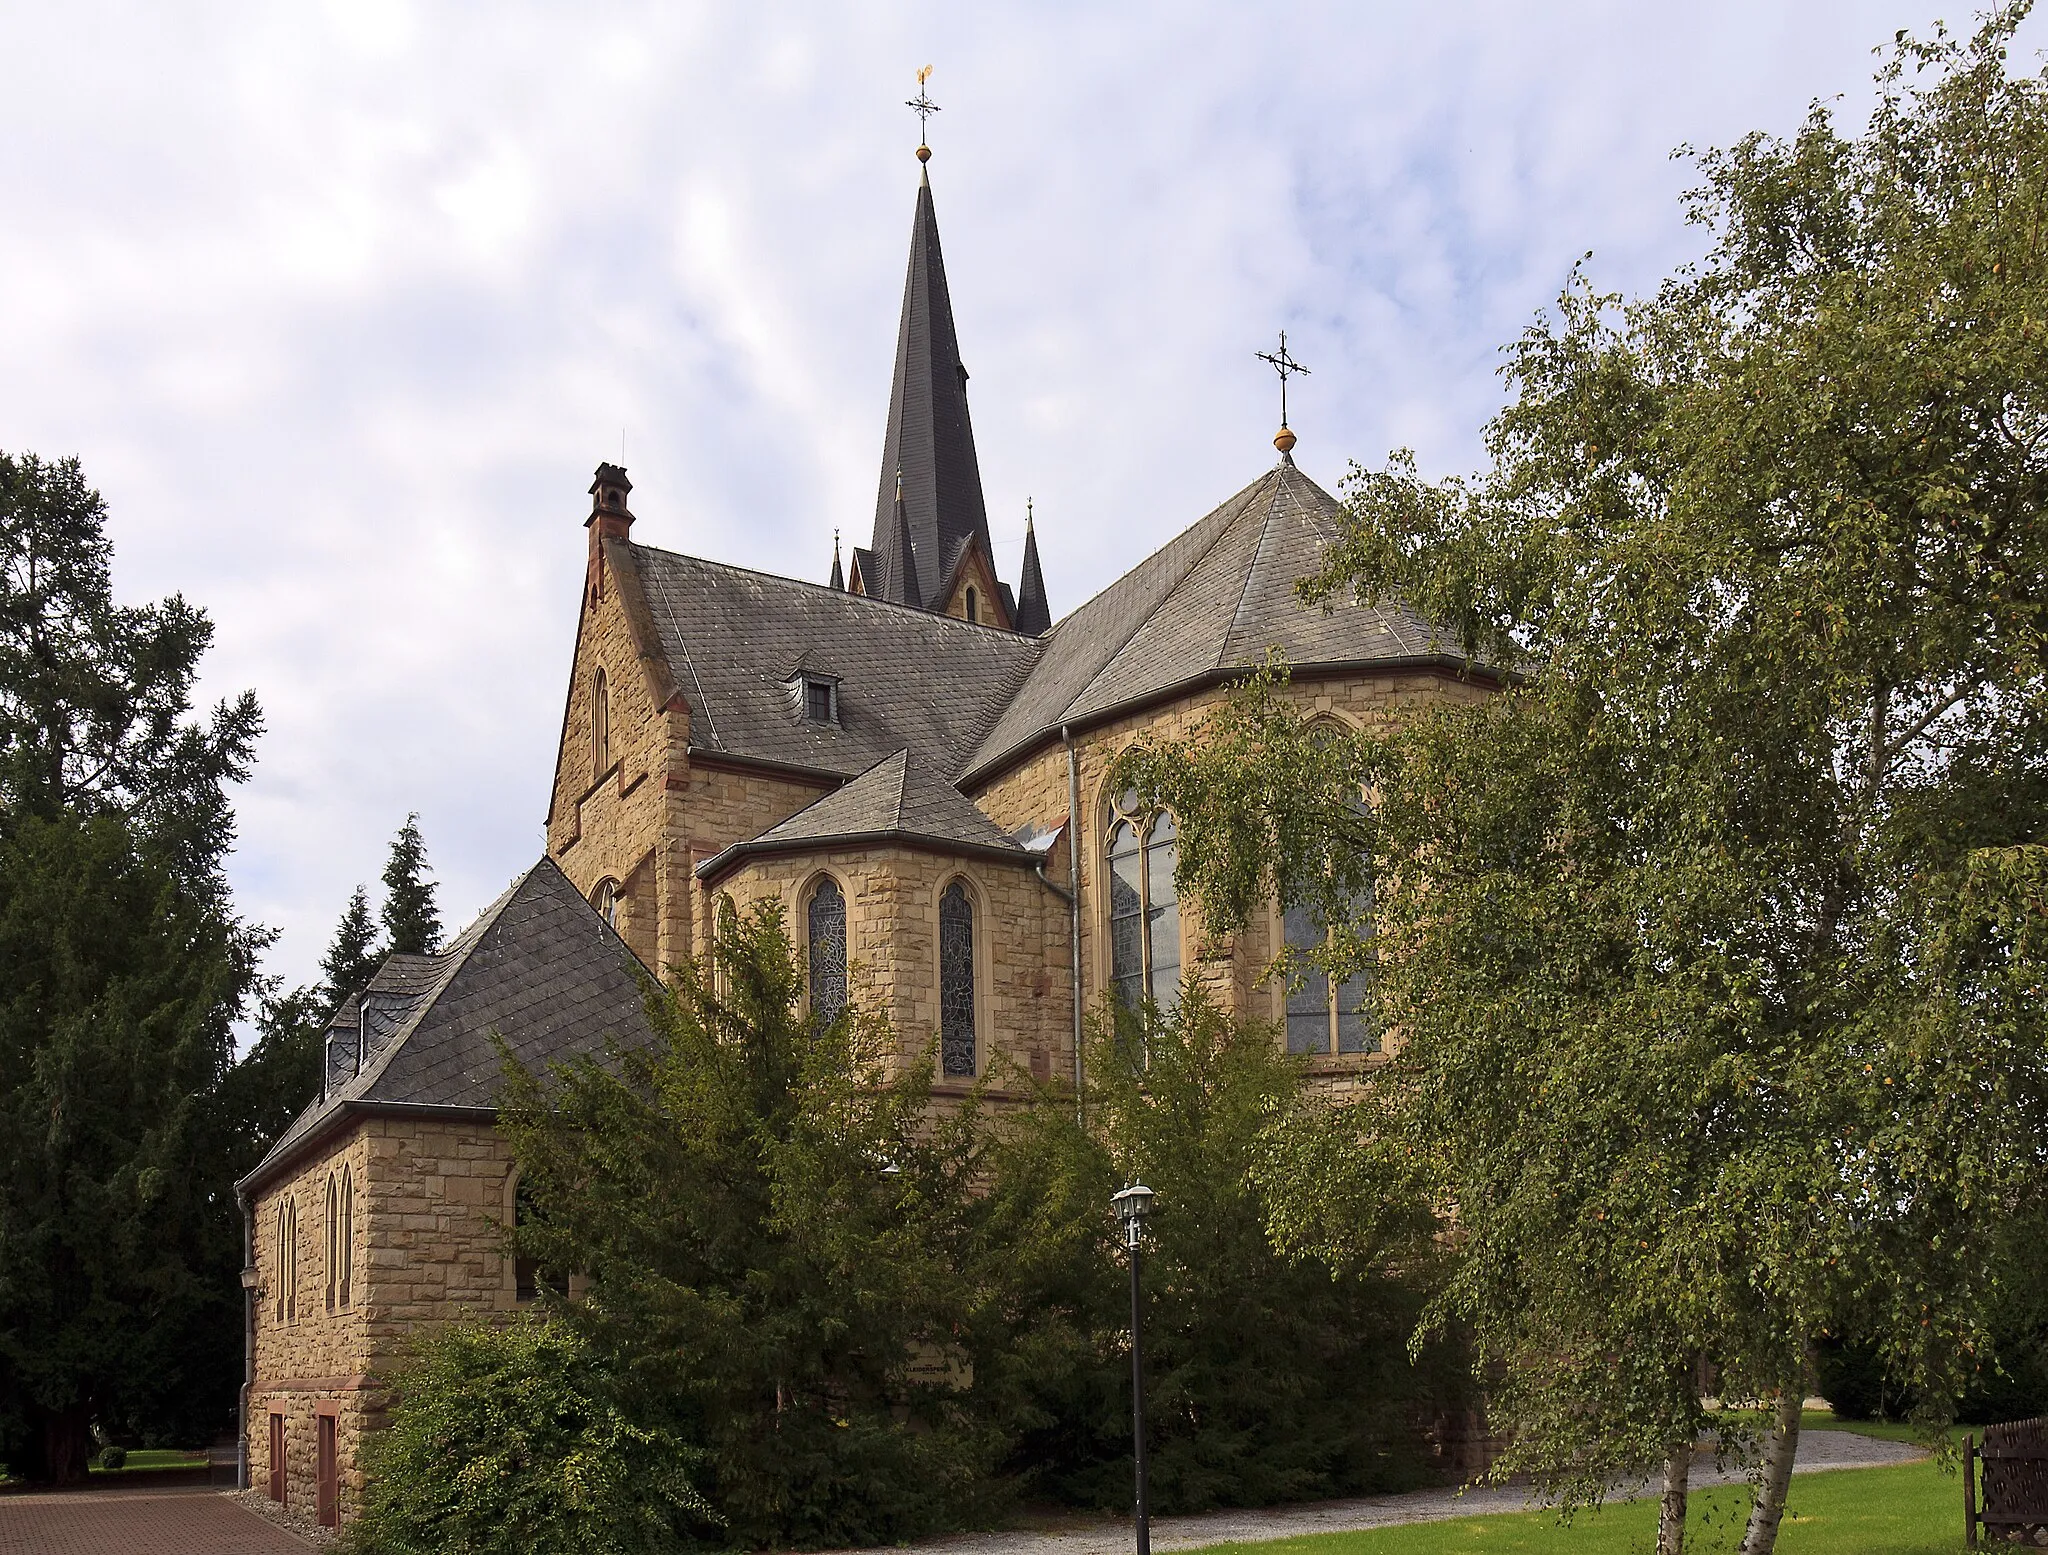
(725, 929)
(958, 1055)
(606, 900)
(600, 725)
(285, 1299)
(341, 1214)
(973, 604)
(1144, 906)
(825, 938)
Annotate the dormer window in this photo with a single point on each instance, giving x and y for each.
(821, 700)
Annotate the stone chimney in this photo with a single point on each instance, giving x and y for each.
(610, 518)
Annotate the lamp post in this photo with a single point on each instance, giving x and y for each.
(1132, 1206)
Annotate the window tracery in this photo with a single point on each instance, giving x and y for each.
(825, 925)
(957, 1051)
(1144, 906)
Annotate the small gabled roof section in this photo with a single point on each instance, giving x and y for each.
(539, 968)
(899, 799)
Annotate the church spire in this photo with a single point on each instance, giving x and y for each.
(928, 449)
(1034, 615)
(899, 561)
(838, 572)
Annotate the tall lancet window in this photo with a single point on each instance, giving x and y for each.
(826, 923)
(600, 725)
(1319, 1019)
(957, 1054)
(1144, 907)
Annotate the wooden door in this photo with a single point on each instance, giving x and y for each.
(326, 1495)
(277, 1457)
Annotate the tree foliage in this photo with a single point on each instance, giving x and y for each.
(353, 957)
(1714, 943)
(1269, 1379)
(774, 1226)
(122, 969)
(510, 1440)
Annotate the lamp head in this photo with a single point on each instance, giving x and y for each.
(1132, 1206)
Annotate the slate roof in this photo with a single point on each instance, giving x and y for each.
(908, 678)
(900, 797)
(539, 967)
(930, 439)
(1030, 613)
(1213, 598)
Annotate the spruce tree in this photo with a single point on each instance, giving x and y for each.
(412, 921)
(353, 957)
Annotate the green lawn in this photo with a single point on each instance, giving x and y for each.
(1915, 1509)
(143, 1459)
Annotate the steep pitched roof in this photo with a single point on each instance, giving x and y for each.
(899, 798)
(930, 439)
(538, 968)
(1213, 598)
(907, 677)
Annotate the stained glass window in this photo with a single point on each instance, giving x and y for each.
(956, 982)
(1144, 909)
(1317, 1020)
(827, 941)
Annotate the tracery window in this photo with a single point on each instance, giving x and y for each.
(957, 1055)
(600, 725)
(725, 928)
(606, 900)
(1144, 906)
(285, 1298)
(825, 923)
(1321, 1019)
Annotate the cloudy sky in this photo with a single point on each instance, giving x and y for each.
(340, 304)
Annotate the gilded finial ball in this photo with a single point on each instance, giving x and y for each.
(1284, 441)
(924, 153)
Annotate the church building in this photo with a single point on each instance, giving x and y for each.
(910, 756)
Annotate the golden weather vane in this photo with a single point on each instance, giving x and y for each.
(923, 106)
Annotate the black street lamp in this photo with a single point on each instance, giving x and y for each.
(1132, 1206)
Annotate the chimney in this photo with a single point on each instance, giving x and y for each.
(610, 518)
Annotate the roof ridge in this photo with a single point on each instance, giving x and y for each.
(1244, 589)
(821, 588)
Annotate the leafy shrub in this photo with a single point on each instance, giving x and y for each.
(511, 1440)
(114, 1456)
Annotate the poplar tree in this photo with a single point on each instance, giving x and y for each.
(1714, 945)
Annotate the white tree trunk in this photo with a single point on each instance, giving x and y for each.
(1671, 1513)
(1761, 1537)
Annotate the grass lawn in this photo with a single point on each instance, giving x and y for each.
(143, 1459)
(1915, 1509)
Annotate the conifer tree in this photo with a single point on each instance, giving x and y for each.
(412, 921)
(353, 957)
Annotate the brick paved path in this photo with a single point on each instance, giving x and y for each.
(181, 1521)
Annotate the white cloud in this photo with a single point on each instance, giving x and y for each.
(341, 305)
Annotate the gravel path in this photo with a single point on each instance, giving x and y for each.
(1818, 1451)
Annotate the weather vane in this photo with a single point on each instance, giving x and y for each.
(1285, 366)
(923, 106)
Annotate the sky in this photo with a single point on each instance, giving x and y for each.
(340, 305)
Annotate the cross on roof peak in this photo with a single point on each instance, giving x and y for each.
(1286, 366)
(923, 106)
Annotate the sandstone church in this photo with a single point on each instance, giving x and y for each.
(911, 756)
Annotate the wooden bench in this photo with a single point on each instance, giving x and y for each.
(2014, 1461)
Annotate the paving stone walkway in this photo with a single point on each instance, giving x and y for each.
(1818, 1450)
(191, 1520)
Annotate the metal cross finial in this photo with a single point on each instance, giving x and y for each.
(922, 105)
(1284, 365)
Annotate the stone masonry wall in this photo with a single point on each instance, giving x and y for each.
(431, 1197)
(1022, 1008)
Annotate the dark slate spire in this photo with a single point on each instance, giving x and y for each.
(838, 573)
(899, 556)
(929, 447)
(1033, 615)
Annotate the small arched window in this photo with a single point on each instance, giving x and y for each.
(333, 1260)
(606, 900)
(958, 1057)
(825, 924)
(286, 1296)
(1321, 1019)
(725, 930)
(973, 604)
(600, 725)
(1144, 906)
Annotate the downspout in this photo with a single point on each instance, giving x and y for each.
(1074, 915)
(248, 1337)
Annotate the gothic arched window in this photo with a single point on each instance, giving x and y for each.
(957, 1055)
(1320, 1020)
(606, 900)
(1144, 907)
(973, 604)
(600, 725)
(286, 1296)
(825, 923)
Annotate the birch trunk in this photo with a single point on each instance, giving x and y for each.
(1671, 1512)
(1761, 1537)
